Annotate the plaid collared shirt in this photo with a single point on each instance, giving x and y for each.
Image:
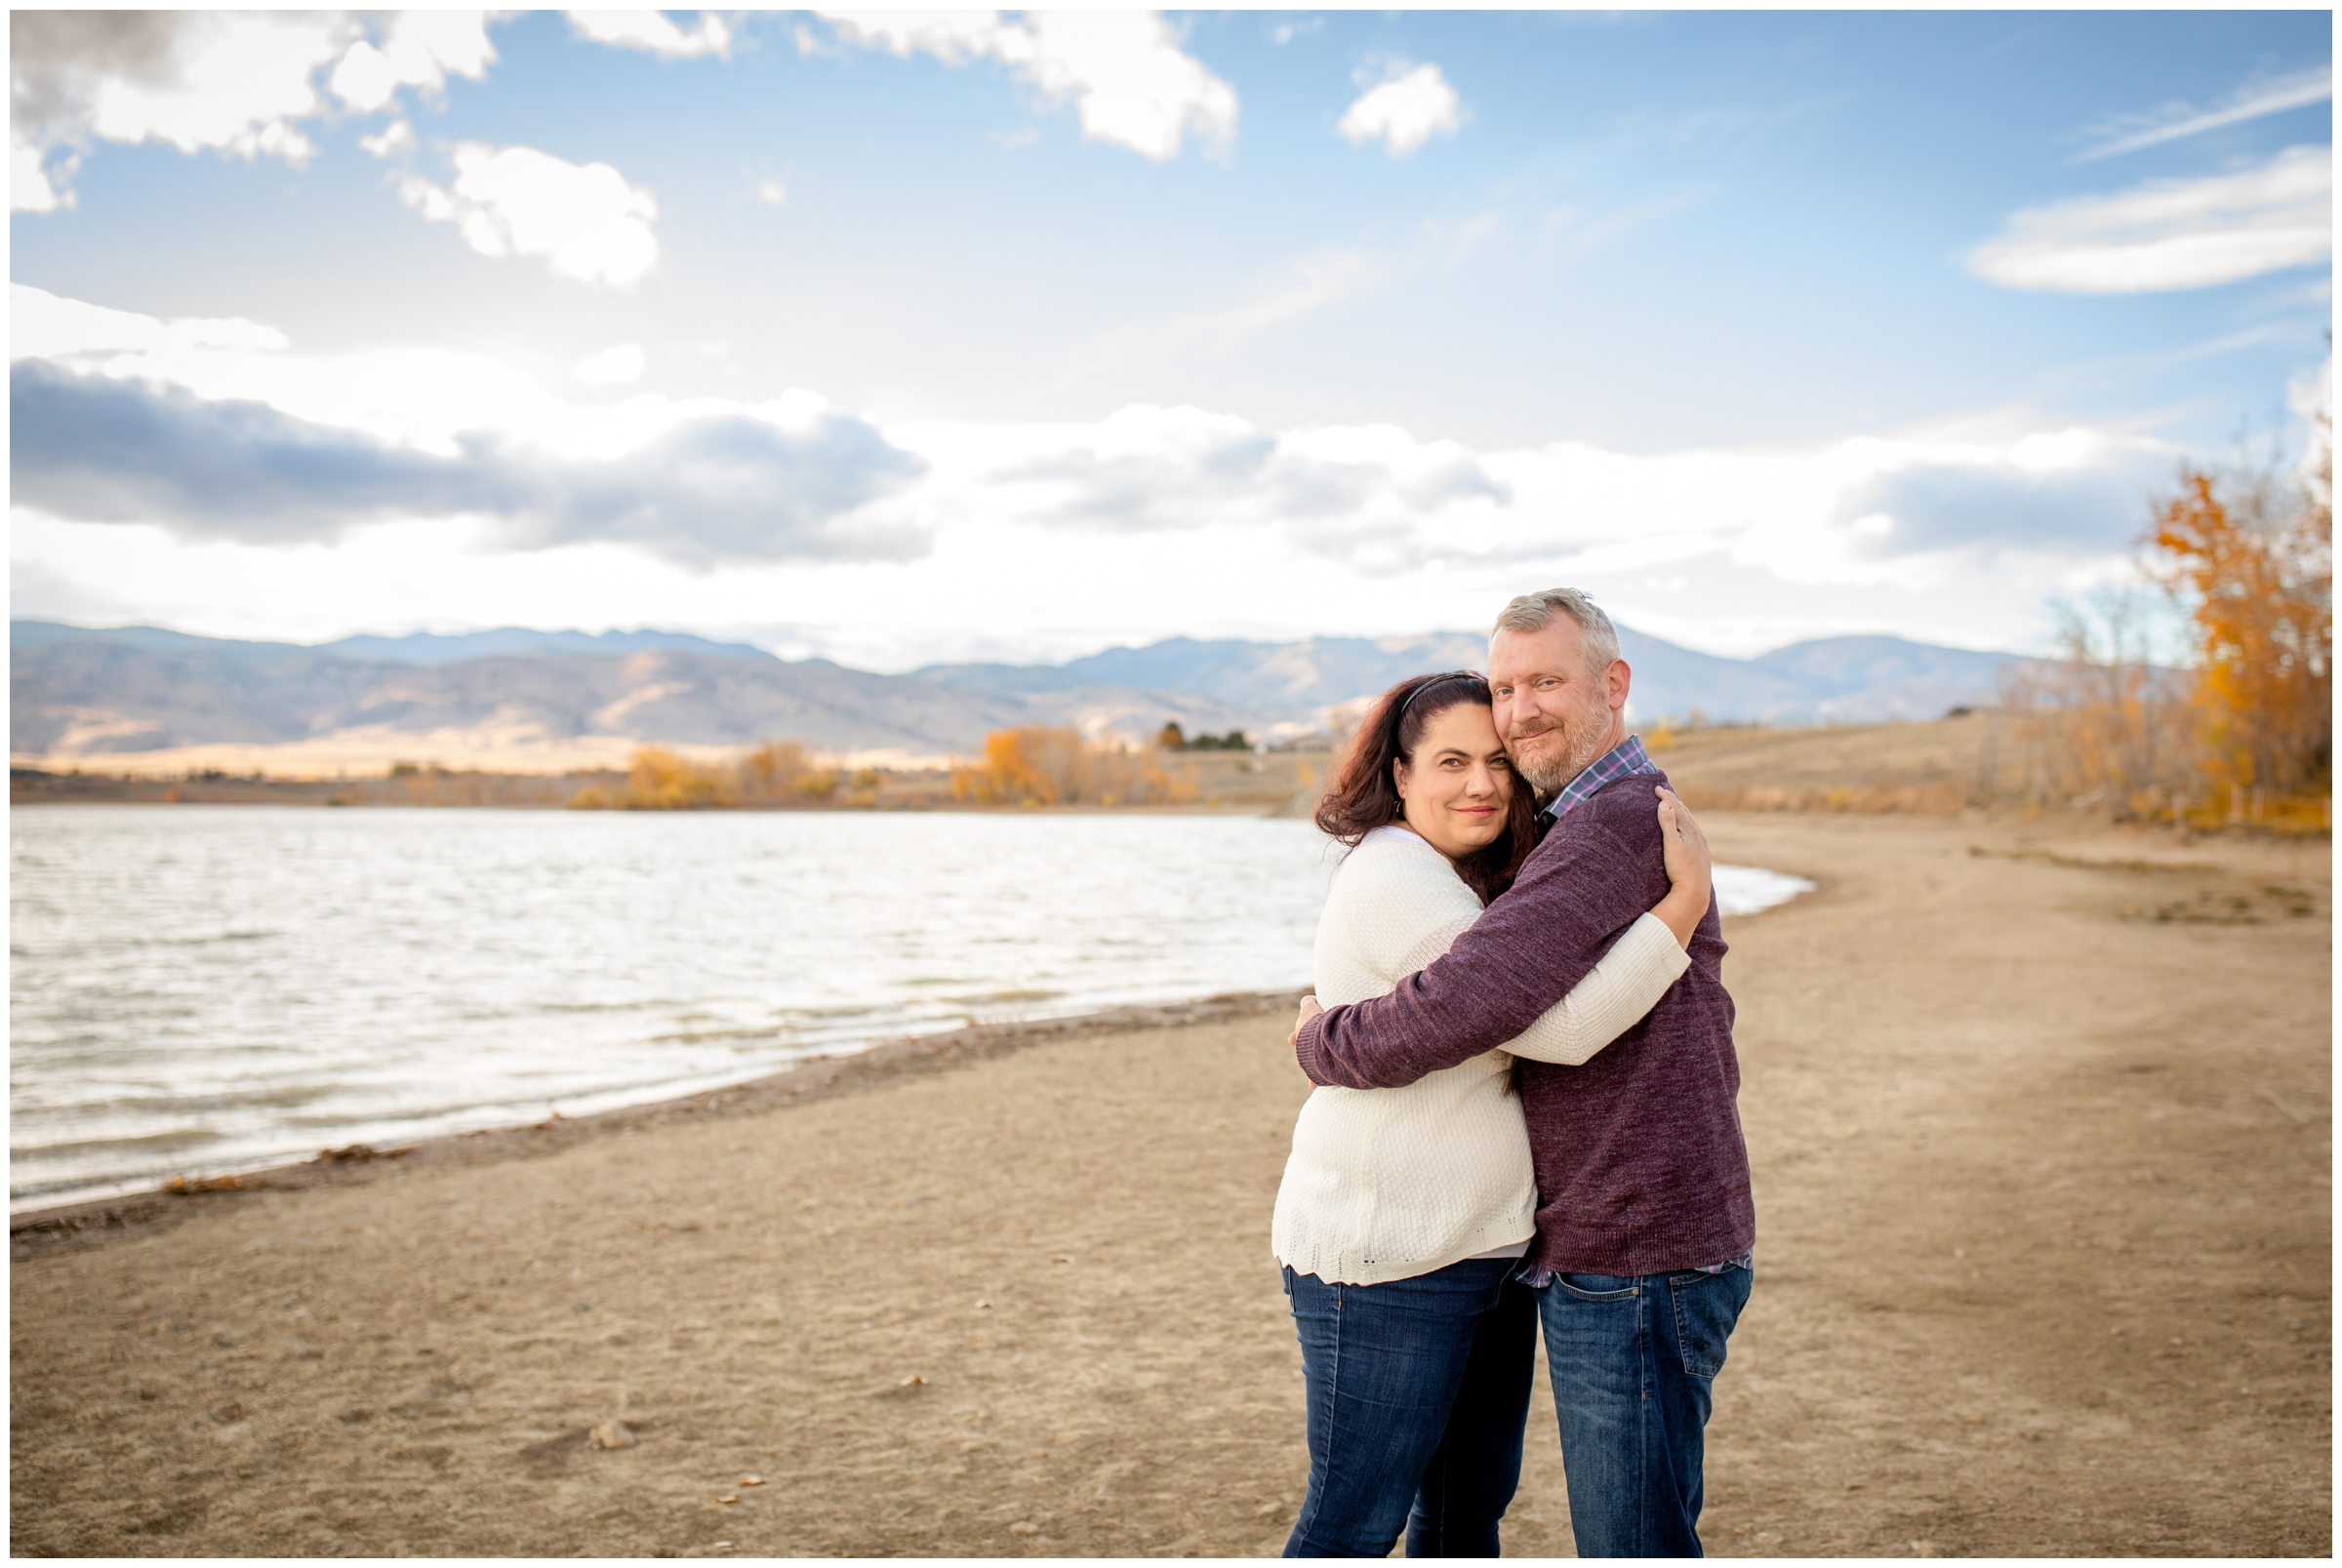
(1622, 760)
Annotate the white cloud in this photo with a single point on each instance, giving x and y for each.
(1363, 495)
(953, 37)
(421, 48)
(237, 84)
(650, 30)
(1123, 70)
(213, 429)
(1405, 112)
(619, 366)
(30, 187)
(369, 78)
(2172, 234)
(2311, 396)
(1371, 503)
(2175, 121)
(51, 326)
(428, 399)
(728, 485)
(396, 137)
(773, 193)
(1130, 83)
(583, 220)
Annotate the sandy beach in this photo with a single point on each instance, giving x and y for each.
(2040, 1124)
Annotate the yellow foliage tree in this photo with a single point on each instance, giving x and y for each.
(1041, 765)
(657, 780)
(2256, 572)
(776, 772)
(780, 771)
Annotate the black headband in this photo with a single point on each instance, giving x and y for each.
(1436, 680)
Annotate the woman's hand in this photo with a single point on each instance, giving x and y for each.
(1690, 866)
(1308, 1010)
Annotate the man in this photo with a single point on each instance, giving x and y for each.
(1645, 1224)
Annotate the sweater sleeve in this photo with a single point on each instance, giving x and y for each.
(1624, 985)
(1584, 886)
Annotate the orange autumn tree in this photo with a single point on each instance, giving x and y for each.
(657, 780)
(776, 774)
(2253, 563)
(1040, 766)
(780, 771)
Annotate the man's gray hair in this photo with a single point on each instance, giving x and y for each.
(1534, 612)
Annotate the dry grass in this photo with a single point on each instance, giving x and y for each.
(1986, 760)
(1933, 768)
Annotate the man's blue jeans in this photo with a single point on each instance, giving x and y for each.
(1632, 1361)
(1418, 1395)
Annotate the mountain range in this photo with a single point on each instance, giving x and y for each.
(513, 698)
(1837, 679)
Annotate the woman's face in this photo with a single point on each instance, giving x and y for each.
(1459, 787)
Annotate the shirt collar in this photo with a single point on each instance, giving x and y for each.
(1622, 761)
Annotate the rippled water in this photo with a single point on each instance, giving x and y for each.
(197, 990)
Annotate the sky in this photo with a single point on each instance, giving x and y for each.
(901, 339)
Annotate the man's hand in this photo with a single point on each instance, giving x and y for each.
(1308, 1010)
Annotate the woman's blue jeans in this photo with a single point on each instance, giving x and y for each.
(1419, 1394)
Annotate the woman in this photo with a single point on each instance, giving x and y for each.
(1404, 1212)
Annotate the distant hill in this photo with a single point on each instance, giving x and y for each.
(1841, 679)
(1886, 677)
(1286, 679)
(78, 693)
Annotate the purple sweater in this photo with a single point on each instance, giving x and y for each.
(1641, 1165)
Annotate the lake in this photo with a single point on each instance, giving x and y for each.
(197, 991)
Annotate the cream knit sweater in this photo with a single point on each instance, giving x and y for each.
(1387, 1183)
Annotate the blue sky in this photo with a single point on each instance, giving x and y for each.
(1022, 335)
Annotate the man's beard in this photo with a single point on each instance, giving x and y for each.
(1549, 771)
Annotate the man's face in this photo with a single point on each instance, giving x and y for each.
(1555, 716)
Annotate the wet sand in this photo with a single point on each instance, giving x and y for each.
(2040, 1126)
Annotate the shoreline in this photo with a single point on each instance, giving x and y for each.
(313, 795)
(307, 794)
(144, 1202)
(98, 1221)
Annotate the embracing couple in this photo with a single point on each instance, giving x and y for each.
(1524, 1116)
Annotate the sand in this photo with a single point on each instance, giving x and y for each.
(2040, 1122)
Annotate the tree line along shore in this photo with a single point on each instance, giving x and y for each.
(2014, 760)
(1018, 769)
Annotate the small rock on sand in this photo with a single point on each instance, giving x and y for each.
(611, 1434)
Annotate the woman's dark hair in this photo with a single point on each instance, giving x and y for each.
(1364, 793)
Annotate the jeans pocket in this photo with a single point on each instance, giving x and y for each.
(1597, 1287)
(1707, 1307)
